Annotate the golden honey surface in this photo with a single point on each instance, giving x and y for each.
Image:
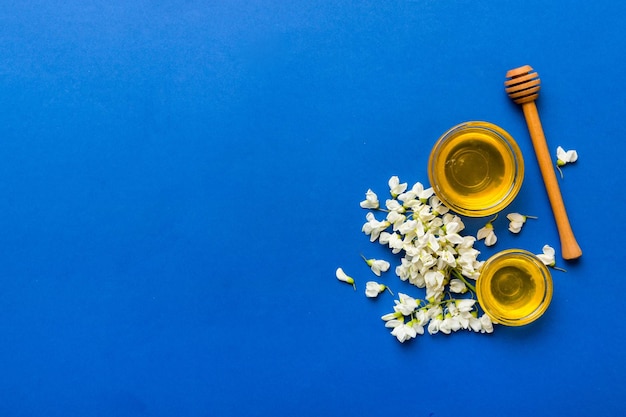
(514, 288)
(475, 169)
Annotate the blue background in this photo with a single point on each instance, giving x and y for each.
(179, 181)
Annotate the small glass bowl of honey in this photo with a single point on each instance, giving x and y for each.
(476, 169)
(514, 287)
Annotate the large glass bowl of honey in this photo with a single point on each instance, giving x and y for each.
(514, 287)
(476, 169)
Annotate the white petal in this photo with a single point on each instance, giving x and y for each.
(453, 227)
(515, 227)
(486, 324)
(394, 323)
(457, 286)
(547, 257)
(465, 305)
(381, 265)
(390, 316)
(516, 217)
(491, 239)
(548, 250)
(572, 156)
(342, 276)
(394, 205)
(395, 187)
(566, 156)
(373, 288)
(483, 232)
(433, 326)
(475, 324)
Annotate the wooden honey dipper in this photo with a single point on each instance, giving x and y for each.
(522, 85)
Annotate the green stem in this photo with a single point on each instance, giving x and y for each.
(460, 276)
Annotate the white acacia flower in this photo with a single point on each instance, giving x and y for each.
(434, 285)
(449, 324)
(393, 240)
(404, 332)
(417, 194)
(373, 227)
(424, 214)
(565, 157)
(446, 258)
(488, 234)
(474, 323)
(377, 265)
(410, 227)
(371, 200)
(394, 205)
(417, 324)
(517, 221)
(428, 261)
(373, 288)
(433, 255)
(435, 323)
(415, 275)
(406, 305)
(467, 260)
(468, 244)
(457, 286)
(465, 305)
(395, 188)
(403, 271)
(464, 319)
(452, 230)
(486, 325)
(547, 257)
(433, 242)
(437, 206)
(434, 279)
(396, 219)
(342, 276)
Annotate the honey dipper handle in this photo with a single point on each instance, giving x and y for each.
(569, 246)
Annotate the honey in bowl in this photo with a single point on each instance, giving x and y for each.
(514, 287)
(476, 169)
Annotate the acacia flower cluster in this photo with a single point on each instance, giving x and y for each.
(435, 256)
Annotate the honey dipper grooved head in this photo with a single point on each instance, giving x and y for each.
(522, 84)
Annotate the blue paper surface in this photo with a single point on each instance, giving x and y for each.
(180, 180)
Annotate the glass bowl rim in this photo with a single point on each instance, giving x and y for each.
(515, 152)
(541, 269)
